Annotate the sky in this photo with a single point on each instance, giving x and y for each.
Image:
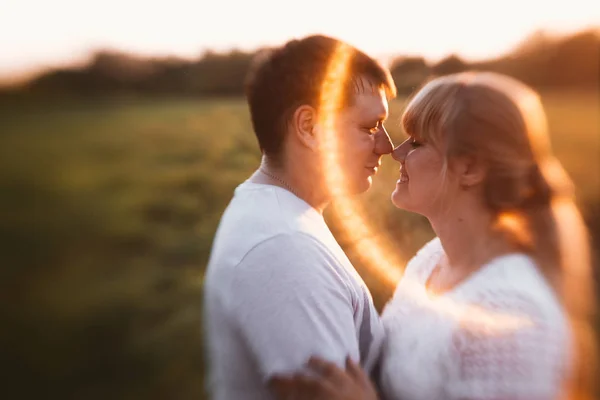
(39, 34)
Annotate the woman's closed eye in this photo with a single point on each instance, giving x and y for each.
(414, 143)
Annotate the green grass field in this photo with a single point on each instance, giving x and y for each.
(108, 213)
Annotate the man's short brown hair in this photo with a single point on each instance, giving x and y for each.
(292, 75)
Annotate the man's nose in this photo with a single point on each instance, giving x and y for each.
(383, 143)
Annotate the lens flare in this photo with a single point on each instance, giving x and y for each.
(345, 211)
(381, 260)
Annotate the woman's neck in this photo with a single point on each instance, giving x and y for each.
(469, 240)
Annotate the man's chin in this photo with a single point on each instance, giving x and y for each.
(352, 187)
(358, 187)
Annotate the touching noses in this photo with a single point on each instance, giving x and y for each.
(383, 143)
(399, 153)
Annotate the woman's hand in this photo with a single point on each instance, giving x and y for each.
(330, 382)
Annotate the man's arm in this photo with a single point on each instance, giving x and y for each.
(292, 301)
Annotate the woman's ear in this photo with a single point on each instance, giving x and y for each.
(471, 171)
(304, 126)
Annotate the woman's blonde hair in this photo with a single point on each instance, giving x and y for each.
(502, 122)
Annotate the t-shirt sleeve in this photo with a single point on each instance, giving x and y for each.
(526, 359)
(290, 301)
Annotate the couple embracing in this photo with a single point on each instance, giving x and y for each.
(496, 306)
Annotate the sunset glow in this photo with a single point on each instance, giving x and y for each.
(35, 34)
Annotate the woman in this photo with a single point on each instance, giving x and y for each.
(497, 306)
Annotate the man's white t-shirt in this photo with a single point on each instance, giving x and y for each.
(278, 289)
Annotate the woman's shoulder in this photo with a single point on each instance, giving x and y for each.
(514, 285)
(419, 267)
(515, 275)
(426, 258)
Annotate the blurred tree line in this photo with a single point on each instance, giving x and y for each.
(541, 61)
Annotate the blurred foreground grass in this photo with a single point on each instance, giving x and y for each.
(108, 210)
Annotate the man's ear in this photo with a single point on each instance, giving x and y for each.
(304, 124)
(471, 171)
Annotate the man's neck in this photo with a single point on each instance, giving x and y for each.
(304, 184)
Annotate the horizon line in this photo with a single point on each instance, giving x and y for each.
(84, 58)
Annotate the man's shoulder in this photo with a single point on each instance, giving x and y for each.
(275, 267)
(258, 208)
(272, 253)
(292, 249)
(264, 217)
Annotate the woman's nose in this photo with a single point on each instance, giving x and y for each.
(398, 153)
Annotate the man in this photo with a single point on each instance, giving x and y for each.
(278, 286)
